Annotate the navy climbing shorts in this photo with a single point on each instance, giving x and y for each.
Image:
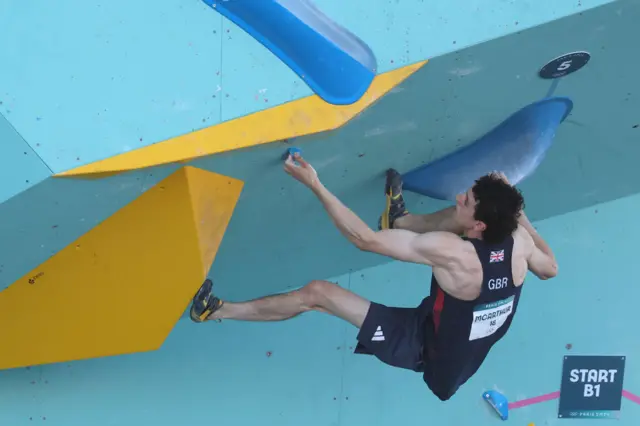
(394, 335)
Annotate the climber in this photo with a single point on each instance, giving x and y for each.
(479, 251)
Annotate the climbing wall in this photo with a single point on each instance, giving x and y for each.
(147, 156)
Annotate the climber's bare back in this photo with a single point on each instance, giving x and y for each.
(457, 266)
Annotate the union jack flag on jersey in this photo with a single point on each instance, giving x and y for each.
(496, 256)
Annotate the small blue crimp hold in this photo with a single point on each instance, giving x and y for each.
(499, 403)
(290, 152)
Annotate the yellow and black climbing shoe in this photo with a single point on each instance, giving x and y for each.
(204, 302)
(394, 207)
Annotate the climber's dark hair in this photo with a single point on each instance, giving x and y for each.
(498, 205)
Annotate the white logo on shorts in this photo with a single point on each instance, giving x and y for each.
(378, 336)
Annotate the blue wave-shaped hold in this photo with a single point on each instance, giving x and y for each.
(516, 147)
(337, 65)
(499, 403)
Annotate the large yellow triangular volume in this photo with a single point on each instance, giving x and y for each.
(293, 119)
(213, 198)
(121, 287)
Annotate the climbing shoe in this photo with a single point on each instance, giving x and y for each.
(394, 207)
(204, 302)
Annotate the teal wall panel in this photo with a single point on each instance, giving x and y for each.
(253, 78)
(20, 166)
(97, 80)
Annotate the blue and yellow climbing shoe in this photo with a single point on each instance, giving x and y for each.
(204, 302)
(394, 207)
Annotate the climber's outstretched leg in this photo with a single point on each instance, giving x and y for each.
(322, 296)
(394, 335)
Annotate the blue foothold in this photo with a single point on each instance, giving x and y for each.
(290, 152)
(499, 403)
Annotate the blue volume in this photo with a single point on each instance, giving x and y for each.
(516, 147)
(337, 65)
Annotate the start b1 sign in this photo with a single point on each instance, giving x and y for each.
(591, 387)
(591, 378)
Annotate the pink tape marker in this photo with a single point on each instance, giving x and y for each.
(631, 397)
(555, 395)
(534, 400)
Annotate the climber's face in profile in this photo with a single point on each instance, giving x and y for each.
(466, 210)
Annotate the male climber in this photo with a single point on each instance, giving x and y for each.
(479, 251)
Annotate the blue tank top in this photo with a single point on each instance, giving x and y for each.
(461, 333)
